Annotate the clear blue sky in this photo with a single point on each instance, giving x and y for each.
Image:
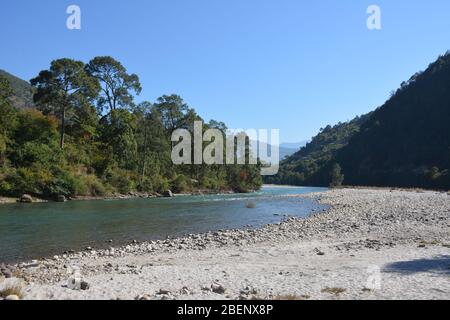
(288, 64)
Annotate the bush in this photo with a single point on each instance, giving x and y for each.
(180, 184)
(160, 183)
(90, 185)
(120, 179)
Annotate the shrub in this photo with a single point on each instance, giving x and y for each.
(120, 179)
(10, 290)
(180, 184)
(90, 185)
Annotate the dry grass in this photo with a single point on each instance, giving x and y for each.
(15, 290)
(335, 291)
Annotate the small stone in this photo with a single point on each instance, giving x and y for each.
(84, 285)
(217, 288)
(163, 292)
(7, 273)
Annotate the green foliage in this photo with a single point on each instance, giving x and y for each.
(117, 85)
(125, 149)
(63, 88)
(336, 176)
(181, 184)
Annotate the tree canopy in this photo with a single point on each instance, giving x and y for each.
(89, 138)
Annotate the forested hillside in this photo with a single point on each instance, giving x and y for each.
(88, 137)
(306, 166)
(404, 143)
(22, 95)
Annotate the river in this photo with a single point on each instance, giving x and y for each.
(31, 231)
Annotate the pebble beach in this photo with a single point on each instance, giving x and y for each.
(369, 244)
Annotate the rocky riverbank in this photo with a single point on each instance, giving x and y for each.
(115, 196)
(371, 244)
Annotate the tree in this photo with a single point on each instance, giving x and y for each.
(119, 134)
(63, 87)
(336, 176)
(7, 115)
(174, 112)
(5, 90)
(116, 84)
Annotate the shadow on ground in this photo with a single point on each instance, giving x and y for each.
(439, 265)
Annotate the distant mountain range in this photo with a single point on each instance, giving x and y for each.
(288, 149)
(23, 92)
(404, 143)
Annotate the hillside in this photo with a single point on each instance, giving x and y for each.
(23, 97)
(304, 167)
(404, 143)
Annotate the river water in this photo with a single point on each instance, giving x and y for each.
(31, 231)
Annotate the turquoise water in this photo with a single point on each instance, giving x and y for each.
(31, 231)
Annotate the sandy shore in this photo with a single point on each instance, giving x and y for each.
(371, 244)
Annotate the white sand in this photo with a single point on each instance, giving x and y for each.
(395, 243)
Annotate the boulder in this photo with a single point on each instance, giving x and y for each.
(168, 194)
(12, 297)
(61, 198)
(26, 198)
(7, 273)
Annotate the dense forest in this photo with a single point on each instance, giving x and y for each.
(404, 143)
(87, 136)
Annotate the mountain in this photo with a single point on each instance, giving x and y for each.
(404, 143)
(23, 92)
(288, 149)
(303, 166)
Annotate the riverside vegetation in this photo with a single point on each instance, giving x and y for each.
(84, 135)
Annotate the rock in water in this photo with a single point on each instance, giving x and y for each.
(61, 198)
(168, 194)
(26, 198)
